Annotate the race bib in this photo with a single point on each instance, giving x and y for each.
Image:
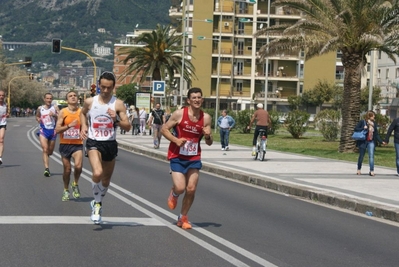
(72, 133)
(47, 121)
(103, 131)
(190, 148)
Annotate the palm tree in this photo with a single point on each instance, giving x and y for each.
(159, 58)
(354, 27)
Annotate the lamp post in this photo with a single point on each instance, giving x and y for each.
(371, 80)
(219, 54)
(267, 58)
(218, 75)
(184, 33)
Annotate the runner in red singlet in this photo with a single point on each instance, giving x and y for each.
(190, 125)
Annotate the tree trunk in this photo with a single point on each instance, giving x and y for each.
(352, 62)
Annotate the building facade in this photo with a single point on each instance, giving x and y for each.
(120, 67)
(225, 56)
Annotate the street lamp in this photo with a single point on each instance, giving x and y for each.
(267, 58)
(218, 75)
(219, 53)
(185, 20)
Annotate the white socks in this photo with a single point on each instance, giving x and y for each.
(99, 191)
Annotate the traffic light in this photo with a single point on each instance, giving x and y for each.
(56, 48)
(28, 61)
(93, 90)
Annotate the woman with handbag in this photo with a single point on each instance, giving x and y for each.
(368, 144)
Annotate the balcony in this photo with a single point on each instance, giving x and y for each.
(175, 12)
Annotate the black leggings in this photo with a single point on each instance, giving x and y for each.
(256, 133)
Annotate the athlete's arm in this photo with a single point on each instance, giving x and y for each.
(121, 111)
(59, 127)
(174, 120)
(83, 117)
(38, 115)
(207, 129)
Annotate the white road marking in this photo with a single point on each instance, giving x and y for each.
(218, 252)
(78, 220)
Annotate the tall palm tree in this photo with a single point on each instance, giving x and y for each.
(355, 27)
(161, 56)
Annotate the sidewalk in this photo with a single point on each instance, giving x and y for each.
(322, 180)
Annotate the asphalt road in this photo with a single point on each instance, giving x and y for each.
(234, 224)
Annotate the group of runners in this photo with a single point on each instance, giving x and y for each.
(95, 124)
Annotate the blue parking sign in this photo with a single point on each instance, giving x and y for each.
(158, 88)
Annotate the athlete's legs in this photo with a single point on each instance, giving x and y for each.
(2, 134)
(51, 145)
(66, 162)
(96, 166)
(102, 172)
(44, 142)
(192, 180)
(78, 160)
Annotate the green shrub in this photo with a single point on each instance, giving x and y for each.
(296, 122)
(274, 117)
(383, 123)
(242, 120)
(328, 123)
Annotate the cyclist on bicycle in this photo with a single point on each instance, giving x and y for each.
(262, 122)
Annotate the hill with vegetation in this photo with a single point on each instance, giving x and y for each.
(76, 22)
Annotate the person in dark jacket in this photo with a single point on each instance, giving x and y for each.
(372, 137)
(395, 128)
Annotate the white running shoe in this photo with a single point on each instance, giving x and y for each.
(227, 148)
(95, 212)
(223, 148)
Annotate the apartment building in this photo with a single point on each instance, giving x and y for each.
(225, 53)
(227, 63)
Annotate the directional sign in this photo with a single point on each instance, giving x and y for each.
(158, 88)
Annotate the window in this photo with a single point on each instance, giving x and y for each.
(239, 86)
(387, 74)
(397, 73)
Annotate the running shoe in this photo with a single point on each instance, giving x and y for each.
(75, 190)
(47, 172)
(1, 161)
(95, 212)
(227, 148)
(172, 200)
(65, 195)
(183, 222)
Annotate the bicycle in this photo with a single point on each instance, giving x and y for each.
(261, 144)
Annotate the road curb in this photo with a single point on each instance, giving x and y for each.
(333, 199)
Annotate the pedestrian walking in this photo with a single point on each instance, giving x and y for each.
(99, 117)
(225, 123)
(46, 116)
(372, 137)
(4, 114)
(394, 127)
(71, 144)
(143, 118)
(184, 153)
(157, 119)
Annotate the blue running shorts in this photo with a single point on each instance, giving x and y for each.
(49, 134)
(182, 165)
